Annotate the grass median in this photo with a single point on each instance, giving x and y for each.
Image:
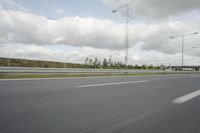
(65, 75)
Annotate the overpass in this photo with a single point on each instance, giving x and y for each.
(192, 67)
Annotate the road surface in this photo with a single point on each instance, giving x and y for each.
(140, 104)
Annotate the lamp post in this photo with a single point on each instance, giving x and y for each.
(182, 37)
(127, 7)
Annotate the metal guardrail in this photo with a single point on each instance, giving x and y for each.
(68, 70)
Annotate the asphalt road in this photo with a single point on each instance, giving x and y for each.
(140, 104)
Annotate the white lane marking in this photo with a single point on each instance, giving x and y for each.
(186, 97)
(116, 83)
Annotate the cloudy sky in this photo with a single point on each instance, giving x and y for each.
(71, 30)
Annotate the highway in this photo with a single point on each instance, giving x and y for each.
(138, 104)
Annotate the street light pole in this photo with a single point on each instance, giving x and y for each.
(127, 35)
(182, 37)
(182, 64)
(127, 6)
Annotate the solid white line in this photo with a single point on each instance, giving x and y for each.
(186, 97)
(116, 83)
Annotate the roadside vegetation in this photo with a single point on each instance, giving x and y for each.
(94, 63)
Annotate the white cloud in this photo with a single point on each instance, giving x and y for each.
(27, 28)
(27, 51)
(156, 9)
(28, 35)
(158, 39)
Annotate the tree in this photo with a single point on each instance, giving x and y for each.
(143, 66)
(137, 67)
(95, 63)
(91, 62)
(105, 63)
(86, 60)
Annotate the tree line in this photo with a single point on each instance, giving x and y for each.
(105, 63)
(110, 64)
